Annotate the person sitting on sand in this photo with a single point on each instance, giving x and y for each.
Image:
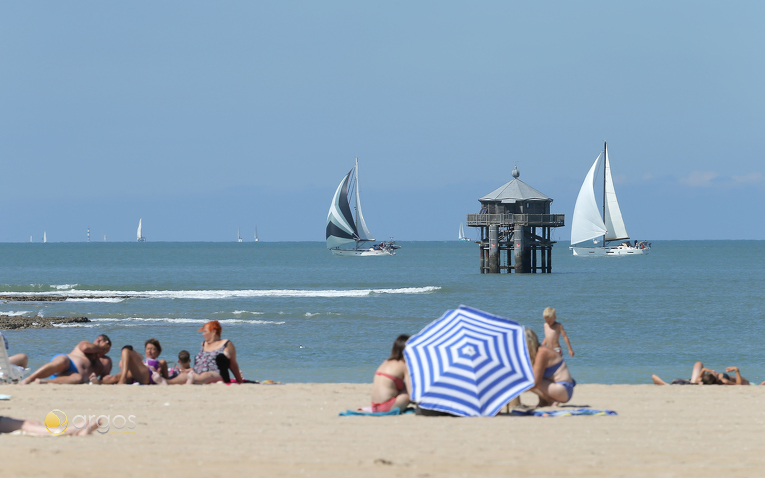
(184, 364)
(33, 427)
(706, 376)
(152, 350)
(553, 332)
(132, 370)
(213, 362)
(87, 359)
(390, 386)
(552, 380)
(20, 360)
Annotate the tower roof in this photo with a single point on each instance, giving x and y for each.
(515, 190)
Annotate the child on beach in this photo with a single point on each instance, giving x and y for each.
(184, 364)
(553, 332)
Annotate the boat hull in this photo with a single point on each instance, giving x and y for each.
(610, 251)
(362, 252)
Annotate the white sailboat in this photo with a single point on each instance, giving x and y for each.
(238, 235)
(587, 223)
(462, 236)
(256, 234)
(45, 237)
(345, 229)
(140, 233)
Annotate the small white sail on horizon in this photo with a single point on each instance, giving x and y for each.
(238, 235)
(256, 234)
(462, 236)
(140, 231)
(616, 230)
(45, 237)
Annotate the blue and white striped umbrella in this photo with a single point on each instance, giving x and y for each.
(468, 363)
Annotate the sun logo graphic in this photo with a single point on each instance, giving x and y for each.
(56, 422)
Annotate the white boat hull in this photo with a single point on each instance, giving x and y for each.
(610, 251)
(362, 252)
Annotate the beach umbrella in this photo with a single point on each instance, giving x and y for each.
(468, 363)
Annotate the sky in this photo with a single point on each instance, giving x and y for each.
(202, 117)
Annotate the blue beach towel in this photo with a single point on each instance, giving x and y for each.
(395, 411)
(562, 413)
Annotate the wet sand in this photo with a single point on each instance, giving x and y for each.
(295, 430)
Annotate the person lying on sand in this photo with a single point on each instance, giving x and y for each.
(391, 385)
(33, 427)
(553, 381)
(213, 362)
(706, 376)
(87, 359)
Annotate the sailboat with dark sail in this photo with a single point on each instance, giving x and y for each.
(347, 232)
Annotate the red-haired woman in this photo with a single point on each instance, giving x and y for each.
(213, 361)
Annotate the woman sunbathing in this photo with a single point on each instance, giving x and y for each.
(390, 386)
(706, 376)
(553, 382)
(213, 362)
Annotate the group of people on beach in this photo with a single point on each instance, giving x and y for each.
(553, 383)
(89, 362)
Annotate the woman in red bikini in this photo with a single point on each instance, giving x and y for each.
(390, 387)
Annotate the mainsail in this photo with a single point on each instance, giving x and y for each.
(587, 223)
(139, 229)
(364, 234)
(340, 226)
(612, 213)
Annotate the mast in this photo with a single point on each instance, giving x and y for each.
(605, 162)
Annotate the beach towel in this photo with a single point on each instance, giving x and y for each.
(5, 397)
(395, 411)
(562, 413)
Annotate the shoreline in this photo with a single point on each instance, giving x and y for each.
(294, 429)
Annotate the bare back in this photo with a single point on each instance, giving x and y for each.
(552, 335)
(383, 387)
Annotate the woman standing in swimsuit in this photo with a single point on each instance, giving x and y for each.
(553, 382)
(390, 387)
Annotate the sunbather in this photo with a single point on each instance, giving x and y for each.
(213, 362)
(706, 376)
(33, 427)
(391, 386)
(132, 370)
(84, 360)
(152, 349)
(553, 381)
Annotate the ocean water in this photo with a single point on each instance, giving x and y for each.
(627, 317)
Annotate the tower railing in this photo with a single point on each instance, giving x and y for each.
(552, 220)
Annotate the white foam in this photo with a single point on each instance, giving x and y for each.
(12, 313)
(63, 286)
(240, 312)
(170, 320)
(308, 314)
(112, 300)
(232, 294)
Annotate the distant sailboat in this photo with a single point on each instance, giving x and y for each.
(45, 237)
(587, 223)
(256, 234)
(238, 235)
(30, 239)
(462, 234)
(344, 229)
(140, 233)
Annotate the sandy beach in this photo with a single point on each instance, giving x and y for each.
(295, 430)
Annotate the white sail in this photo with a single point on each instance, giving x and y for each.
(587, 223)
(139, 229)
(361, 225)
(256, 234)
(45, 236)
(340, 226)
(613, 215)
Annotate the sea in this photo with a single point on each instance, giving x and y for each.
(296, 313)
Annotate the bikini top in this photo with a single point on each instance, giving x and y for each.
(550, 371)
(396, 381)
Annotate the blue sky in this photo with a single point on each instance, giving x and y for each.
(200, 117)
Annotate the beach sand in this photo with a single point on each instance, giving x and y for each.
(295, 430)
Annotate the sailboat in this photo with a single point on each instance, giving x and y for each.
(587, 223)
(343, 229)
(45, 237)
(238, 235)
(256, 234)
(462, 237)
(140, 234)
